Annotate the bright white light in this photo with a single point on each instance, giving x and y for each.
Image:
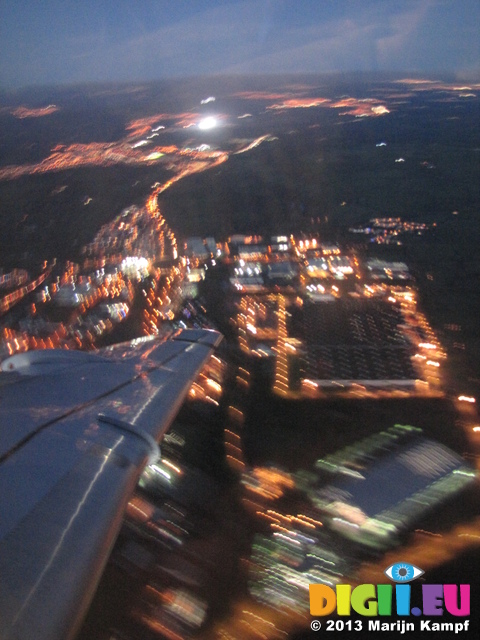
(470, 399)
(380, 110)
(161, 471)
(207, 123)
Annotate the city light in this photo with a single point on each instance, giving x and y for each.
(207, 123)
(310, 342)
(470, 399)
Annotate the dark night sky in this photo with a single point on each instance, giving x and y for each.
(68, 41)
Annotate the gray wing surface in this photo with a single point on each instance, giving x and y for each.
(76, 431)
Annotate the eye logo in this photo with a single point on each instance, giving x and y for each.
(403, 572)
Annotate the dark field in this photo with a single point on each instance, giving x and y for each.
(39, 221)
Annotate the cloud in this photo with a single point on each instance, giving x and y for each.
(198, 44)
(361, 41)
(375, 35)
(404, 28)
(249, 36)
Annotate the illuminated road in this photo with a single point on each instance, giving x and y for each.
(129, 234)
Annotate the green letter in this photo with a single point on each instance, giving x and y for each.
(362, 594)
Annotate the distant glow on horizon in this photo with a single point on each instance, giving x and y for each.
(207, 123)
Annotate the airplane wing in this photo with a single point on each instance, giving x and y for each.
(76, 431)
